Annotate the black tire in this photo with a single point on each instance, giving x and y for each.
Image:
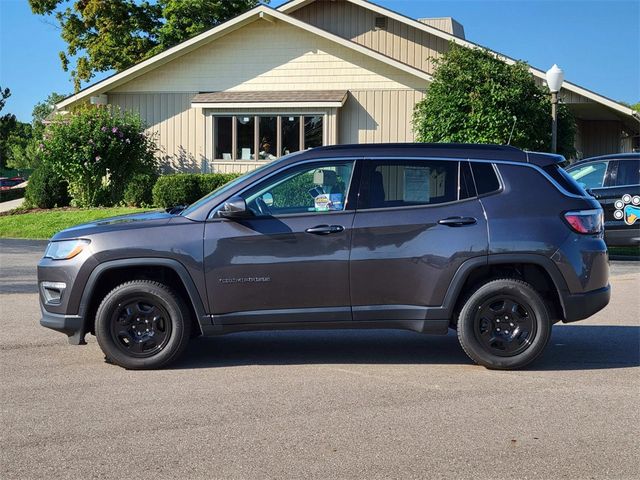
(504, 324)
(142, 324)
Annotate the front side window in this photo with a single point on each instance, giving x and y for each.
(628, 173)
(400, 183)
(320, 188)
(590, 175)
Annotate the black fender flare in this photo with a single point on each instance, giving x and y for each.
(462, 274)
(177, 267)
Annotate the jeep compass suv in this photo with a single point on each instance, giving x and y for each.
(494, 242)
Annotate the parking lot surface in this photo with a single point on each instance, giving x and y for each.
(327, 404)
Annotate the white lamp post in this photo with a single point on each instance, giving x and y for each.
(555, 77)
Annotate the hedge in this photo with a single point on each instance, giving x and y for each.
(186, 188)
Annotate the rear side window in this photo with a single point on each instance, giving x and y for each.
(565, 180)
(405, 183)
(485, 177)
(590, 175)
(628, 173)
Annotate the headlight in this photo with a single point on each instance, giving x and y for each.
(65, 249)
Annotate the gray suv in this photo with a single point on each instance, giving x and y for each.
(496, 243)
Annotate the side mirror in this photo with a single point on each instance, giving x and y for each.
(235, 207)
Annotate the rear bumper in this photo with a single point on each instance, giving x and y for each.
(582, 305)
(623, 237)
(70, 325)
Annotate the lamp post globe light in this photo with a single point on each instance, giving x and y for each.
(555, 78)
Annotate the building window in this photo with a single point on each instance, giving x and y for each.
(246, 137)
(290, 135)
(268, 138)
(222, 139)
(313, 131)
(239, 137)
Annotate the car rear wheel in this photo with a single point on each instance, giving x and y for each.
(504, 324)
(142, 324)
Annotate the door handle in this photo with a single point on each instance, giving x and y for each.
(457, 221)
(325, 229)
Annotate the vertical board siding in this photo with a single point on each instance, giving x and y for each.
(380, 116)
(173, 124)
(399, 41)
(598, 137)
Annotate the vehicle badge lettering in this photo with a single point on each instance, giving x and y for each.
(227, 281)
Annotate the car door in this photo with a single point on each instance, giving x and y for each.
(417, 222)
(289, 262)
(621, 185)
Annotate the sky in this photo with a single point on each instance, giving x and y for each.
(595, 42)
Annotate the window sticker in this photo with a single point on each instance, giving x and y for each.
(417, 184)
(322, 203)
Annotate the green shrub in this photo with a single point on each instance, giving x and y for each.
(211, 181)
(97, 150)
(139, 190)
(46, 189)
(186, 188)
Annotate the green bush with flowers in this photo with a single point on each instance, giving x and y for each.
(97, 151)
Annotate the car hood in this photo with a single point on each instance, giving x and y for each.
(123, 222)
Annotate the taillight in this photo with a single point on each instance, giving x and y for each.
(586, 221)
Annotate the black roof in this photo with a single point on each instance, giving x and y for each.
(443, 150)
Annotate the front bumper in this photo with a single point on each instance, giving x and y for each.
(582, 305)
(70, 325)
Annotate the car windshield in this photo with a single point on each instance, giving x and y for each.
(228, 186)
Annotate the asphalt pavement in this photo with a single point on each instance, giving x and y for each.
(325, 405)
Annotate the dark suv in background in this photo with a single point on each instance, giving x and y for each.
(492, 241)
(614, 180)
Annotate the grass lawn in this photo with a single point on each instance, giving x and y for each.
(42, 224)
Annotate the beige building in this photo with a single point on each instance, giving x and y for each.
(310, 73)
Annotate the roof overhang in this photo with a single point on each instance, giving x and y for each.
(294, 5)
(261, 12)
(275, 99)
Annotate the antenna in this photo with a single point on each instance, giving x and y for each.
(513, 127)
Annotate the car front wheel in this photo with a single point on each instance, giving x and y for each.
(504, 324)
(142, 324)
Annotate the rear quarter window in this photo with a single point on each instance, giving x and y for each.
(485, 177)
(564, 179)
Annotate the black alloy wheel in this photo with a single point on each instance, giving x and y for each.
(140, 327)
(505, 326)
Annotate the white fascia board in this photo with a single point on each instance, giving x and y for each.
(254, 105)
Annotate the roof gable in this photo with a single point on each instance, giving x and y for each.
(260, 12)
(294, 5)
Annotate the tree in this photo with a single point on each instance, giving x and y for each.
(23, 141)
(103, 35)
(41, 110)
(477, 98)
(8, 123)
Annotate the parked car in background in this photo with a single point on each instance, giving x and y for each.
(614, 180)
(494, 242)
(7, 183)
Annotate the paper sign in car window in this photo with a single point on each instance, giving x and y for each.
(416, 184)
(336, 201)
